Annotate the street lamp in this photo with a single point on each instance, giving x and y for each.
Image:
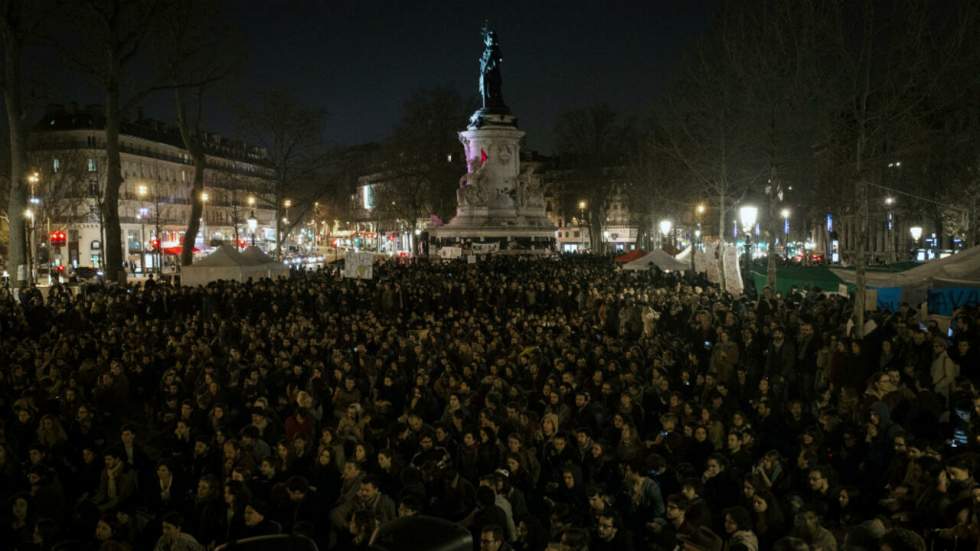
(141, 215)
(29, 239)
(785, 213)
(916, 232)
(665, 227)
(204, 220)
(253, 223)
(701, 208)
(748, 215)
(141, 191)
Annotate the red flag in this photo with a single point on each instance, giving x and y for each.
(483, 156)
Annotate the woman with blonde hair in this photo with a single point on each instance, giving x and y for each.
(51, 434)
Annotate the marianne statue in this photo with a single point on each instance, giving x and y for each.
(493, 98)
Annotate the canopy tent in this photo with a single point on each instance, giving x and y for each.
(227, 264)
(958, 271)
(800, 277)
(176, 250)
(630, 256)
(685, 255)
(264, 265)
(964, 265)
(656, 258)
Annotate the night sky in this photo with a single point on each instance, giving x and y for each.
(360, 60)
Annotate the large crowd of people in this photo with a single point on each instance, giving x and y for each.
(540, 404)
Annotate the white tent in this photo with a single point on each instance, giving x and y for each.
(963, 266)
(960, 270)
(227, 264)
(263, 265)
(684, 256)
(659, 259)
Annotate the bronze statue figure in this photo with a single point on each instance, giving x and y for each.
(490, 81)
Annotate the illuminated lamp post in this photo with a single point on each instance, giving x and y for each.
(748, 214)
(916, 232)
(665, 227)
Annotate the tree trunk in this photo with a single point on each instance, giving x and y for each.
(643, 232)
(772, 198)
(861, 144)
(197, 209)
(17, 200)
(113, 232)
(279, 226)
(595, 229)
(193, 147)
(721, 238)
(860, 261)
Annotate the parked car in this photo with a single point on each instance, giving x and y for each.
(86, 273)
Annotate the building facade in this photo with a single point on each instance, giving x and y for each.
(67, 151)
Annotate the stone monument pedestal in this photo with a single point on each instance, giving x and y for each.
(500, 208)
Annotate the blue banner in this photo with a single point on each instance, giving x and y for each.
(889, 298)
(944, 300)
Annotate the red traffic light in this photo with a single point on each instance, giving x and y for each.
(58, 238)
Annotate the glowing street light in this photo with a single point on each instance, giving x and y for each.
(141, 190)
(701, 208)
(784, 213)
(666, 226)
(581, 205)
(916, 232)
(748, 215)
(253, 224)
(287, 203)
(889, 201)
(251, 200)
(205, 197)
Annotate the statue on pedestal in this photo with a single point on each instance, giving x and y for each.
(472, 191)
(490, 80)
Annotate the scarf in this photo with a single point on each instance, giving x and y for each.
(112, 476)
(747, 539)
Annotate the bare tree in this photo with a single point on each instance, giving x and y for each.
(889, 63)
(291, 135)
(656, 184)
(117, 33)
(774, 54)
(422, 158)
(591, 143)
(702, 123)
(19, 21)
(194, 33)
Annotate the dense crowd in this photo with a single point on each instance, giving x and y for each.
(541, 404)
